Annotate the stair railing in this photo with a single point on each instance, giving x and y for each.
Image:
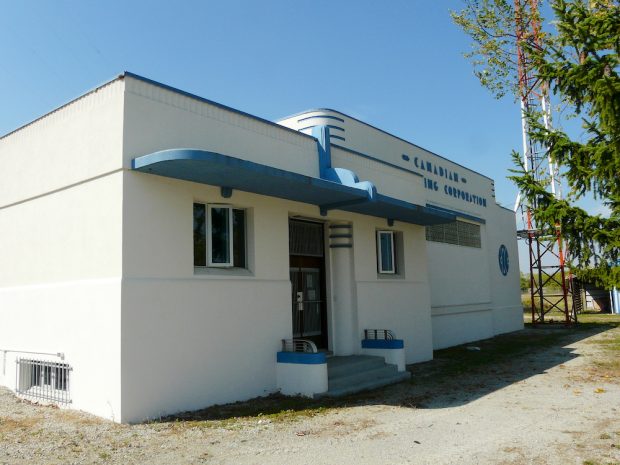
(299, 345)
(385, 334)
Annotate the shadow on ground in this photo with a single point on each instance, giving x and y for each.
(455, 376)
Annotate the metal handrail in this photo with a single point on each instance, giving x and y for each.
(385, 334)
(299, 345)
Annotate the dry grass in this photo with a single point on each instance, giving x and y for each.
(17, 425)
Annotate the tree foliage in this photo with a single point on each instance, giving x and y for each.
(579, 59)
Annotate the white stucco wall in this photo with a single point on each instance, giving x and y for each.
(60, 217)
(400, 302)
(505, 290)
(191, 339)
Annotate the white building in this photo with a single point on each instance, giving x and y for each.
(154, 244)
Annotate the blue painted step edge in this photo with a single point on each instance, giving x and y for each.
(382, 344)
(303, 358)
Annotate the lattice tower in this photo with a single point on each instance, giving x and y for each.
(547, 259)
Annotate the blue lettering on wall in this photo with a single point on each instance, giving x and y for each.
(437, 170)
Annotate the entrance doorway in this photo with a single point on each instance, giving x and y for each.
(307, 270)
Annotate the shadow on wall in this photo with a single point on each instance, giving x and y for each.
(457, 376)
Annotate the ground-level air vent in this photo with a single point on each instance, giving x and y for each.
(43, 380)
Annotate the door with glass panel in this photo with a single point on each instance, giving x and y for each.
(307, 271)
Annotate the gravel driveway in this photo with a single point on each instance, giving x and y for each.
(557, 405)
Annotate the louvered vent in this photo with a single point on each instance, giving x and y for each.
(305, 238)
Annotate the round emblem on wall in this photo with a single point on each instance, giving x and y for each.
(503, 259)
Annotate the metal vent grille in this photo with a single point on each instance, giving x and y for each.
(305, 238)
(457, 233)
(469, 234)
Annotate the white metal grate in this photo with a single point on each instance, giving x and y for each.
(43, 380)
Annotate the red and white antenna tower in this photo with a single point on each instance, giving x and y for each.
(546, 251)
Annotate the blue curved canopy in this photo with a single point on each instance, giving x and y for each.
(230, 172)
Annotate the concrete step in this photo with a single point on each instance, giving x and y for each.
(353, 379)
(368, 385)
(351, 374)
(344, 366)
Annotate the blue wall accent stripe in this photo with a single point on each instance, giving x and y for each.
(321, 116)
(383, 344)
(378, 160)
(333, 136)
(302, 358)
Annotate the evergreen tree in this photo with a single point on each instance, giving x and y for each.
(579, 59)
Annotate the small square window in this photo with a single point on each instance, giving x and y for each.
(219, 236)
(385, 252)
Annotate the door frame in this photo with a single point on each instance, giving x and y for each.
(299, 262)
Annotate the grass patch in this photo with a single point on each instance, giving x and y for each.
(609, 319)
(8, 425)
(607, 363)
(460, 360)
(275, 408)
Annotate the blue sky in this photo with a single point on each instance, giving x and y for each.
(397, 65)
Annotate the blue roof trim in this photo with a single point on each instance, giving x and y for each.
(321, 116)
(211, 102)
(382, 206)
(456, 213)
(222, 170)
(234, 173)
(383, 344)
(387, 133)
(378, 160)
(302, 358)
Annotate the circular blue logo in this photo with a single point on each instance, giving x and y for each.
(503, 259)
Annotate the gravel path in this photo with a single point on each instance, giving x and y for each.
(545, 408)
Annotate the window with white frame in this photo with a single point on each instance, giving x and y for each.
(219, 236)
(386, 263)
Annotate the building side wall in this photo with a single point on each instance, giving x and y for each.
(505, 290)
(61, 222)
(471, 298)
(60, 288)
